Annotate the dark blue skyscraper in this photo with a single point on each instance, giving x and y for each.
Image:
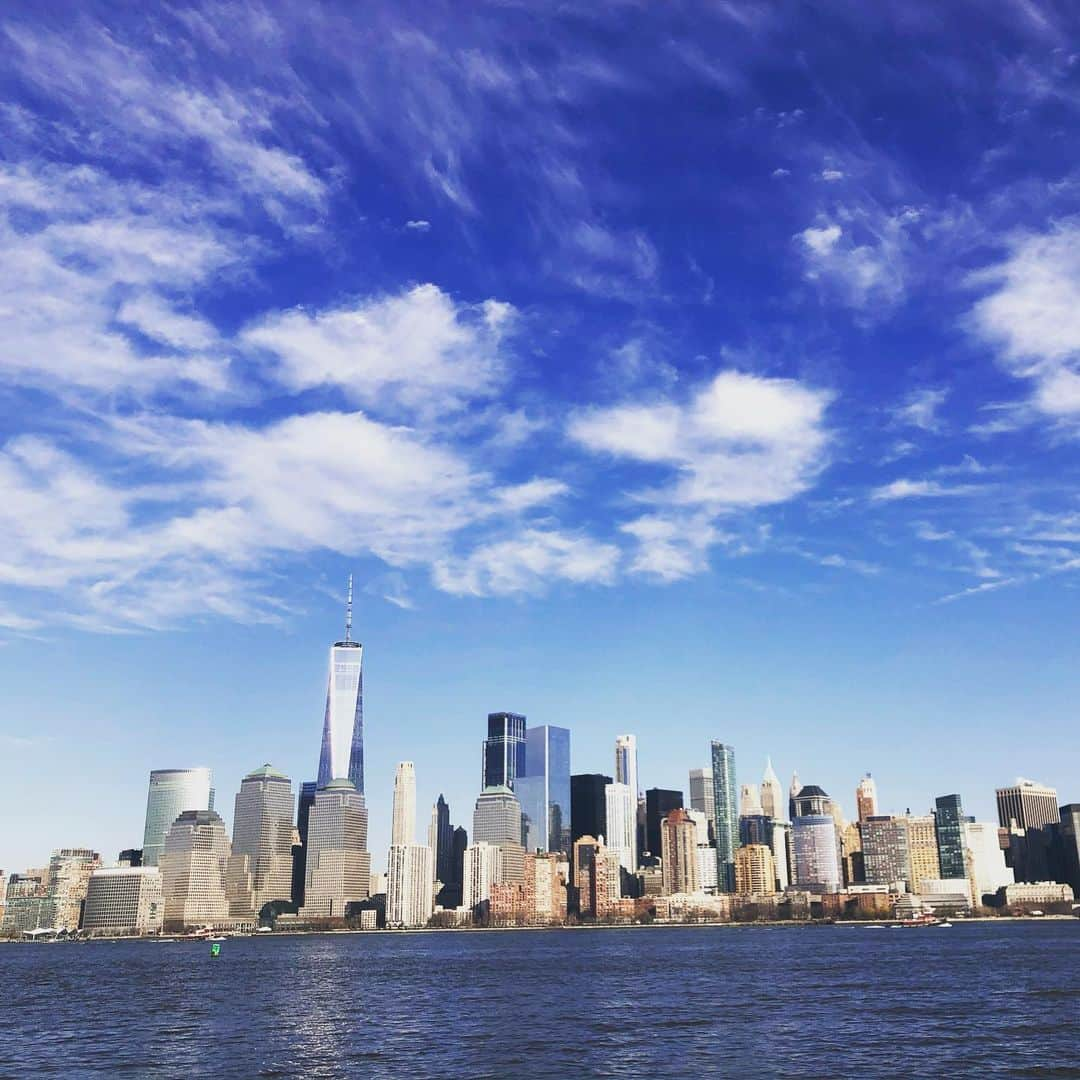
(504, 750)
(726, 819)
(544, 789)
(949, 826)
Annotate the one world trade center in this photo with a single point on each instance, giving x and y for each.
(342, 753)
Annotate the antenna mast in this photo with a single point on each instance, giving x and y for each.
(348, 613)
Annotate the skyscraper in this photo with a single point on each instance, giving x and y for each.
(588, 805)
(1028, 804)
(303, 815)
(750, 801)
(342, 754)
(69, 877)
(409, 900)
(497, 820)
(620, 806)
(922, 851)
(949, 825)
(986, 861)
(659, 802)
(504, 750)
(403, 827)
(124, 900)
(483, 869)
(678, 847)
(702, 796)
(866, 798)
(194, 866)
(626, 762)
(338, 862)
(263, 834)
(772, 794)
(885, 849)
(755, 873)
(591, 870)
(544, 789)
(726, 827)
(441, 842)
(171, 792)
(817, 849)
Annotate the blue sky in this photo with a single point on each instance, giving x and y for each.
(695, 370)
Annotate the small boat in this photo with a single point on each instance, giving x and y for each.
(945, 925)
(875, 927)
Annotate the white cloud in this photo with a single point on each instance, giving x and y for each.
(919, 489)
(821, 240)
(528, 562)
(739, 440)
(1032, 315)
(418, 349)
(418, 225)
(155, 318)
(535, 492)
(832, 175)
(670, 548)
(920, 410)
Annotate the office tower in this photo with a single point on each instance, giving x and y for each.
(591, 870)
(69, 875)
(885, 849)
(1069, 842)
(303, 815)
(852, 854)
(701, 824)
(706, 868)
(338, 862)
(409, 899)
(263, 834)
(451, 896)
(678, 847)
(755, 872)
(504, 750)
(922, 851)
(130, 857)
(194, 864)
(1027, 804)
(403, 828)
(772, 795)
(866, 798)
(25, 901)
(482, 870)
(626, 771)
(124, 900)
(702, 796)
(342, 752)
(949, 826)
(750, 801)
(545, 888)
(171, 792)
(726, 822)
(441, 842)
(621, 814)
(756, 829)
(986, 867)
(497, 820)
(781, 852)
(817, 852)
(659, 802)
(794, 790)
(588, 805)
(544, 789)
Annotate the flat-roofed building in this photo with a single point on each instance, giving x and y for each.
(124, 900)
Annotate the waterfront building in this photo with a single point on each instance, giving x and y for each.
(303, 815)
(342, 752)
(782, 854)
(726, 817)
(755, 871)
(949, 826)
(1037, 894)
(678, 847)
(482, 870)
(171, 792)
(985, 860)
(706, 867)
(852, 854)
(338, 862)
(621, 816)
(659, 802)
(588, 805)
(866, 798)
(403, 824)
(504, 750)
(497, 820)
(626, 772)
(25, 901)
(772, 795)
(885, 850)
(922, 851)
(263, 834)
(124, 900)
(591, 870)
(441, 842)
(3, 895)
(544, 789)
(1069, 861)
(1027, 805)
(814, 836)
(946, 896)
(69, 876)
(194, 866)
(750, 801)
(451, 894)
(409, 897)
(545, 885)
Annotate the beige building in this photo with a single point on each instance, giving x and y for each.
(338, 862)
(483, 866)
(923, 861)
(262, 840)
(124, 900)
(194, 863)
(679, 860)
(592, 869)
(69, 876)
(410, 899)
(755, 870)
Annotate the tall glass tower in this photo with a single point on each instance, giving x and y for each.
(949, 827)
(544, 789)
(342, 755)
(726, 821)
(504, 750)
(171, 792)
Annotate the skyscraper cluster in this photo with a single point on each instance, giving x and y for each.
(546, 845)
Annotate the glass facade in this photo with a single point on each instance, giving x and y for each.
(504, 750)
(949, 825)
(817, 854)
(588, 809)
(342, 755)
(726, 815)
(171, 792)
(659, 802)
(544, 789)
(884, 849)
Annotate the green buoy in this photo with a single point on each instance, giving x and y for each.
(215, 949)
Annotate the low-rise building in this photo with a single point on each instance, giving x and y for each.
(1036, 894)
(124, 900)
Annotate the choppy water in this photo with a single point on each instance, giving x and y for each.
(976, 1000)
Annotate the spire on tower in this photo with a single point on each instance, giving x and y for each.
(348, 613)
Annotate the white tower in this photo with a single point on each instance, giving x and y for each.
(626, 773)
(403, 829)
(772, 794)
